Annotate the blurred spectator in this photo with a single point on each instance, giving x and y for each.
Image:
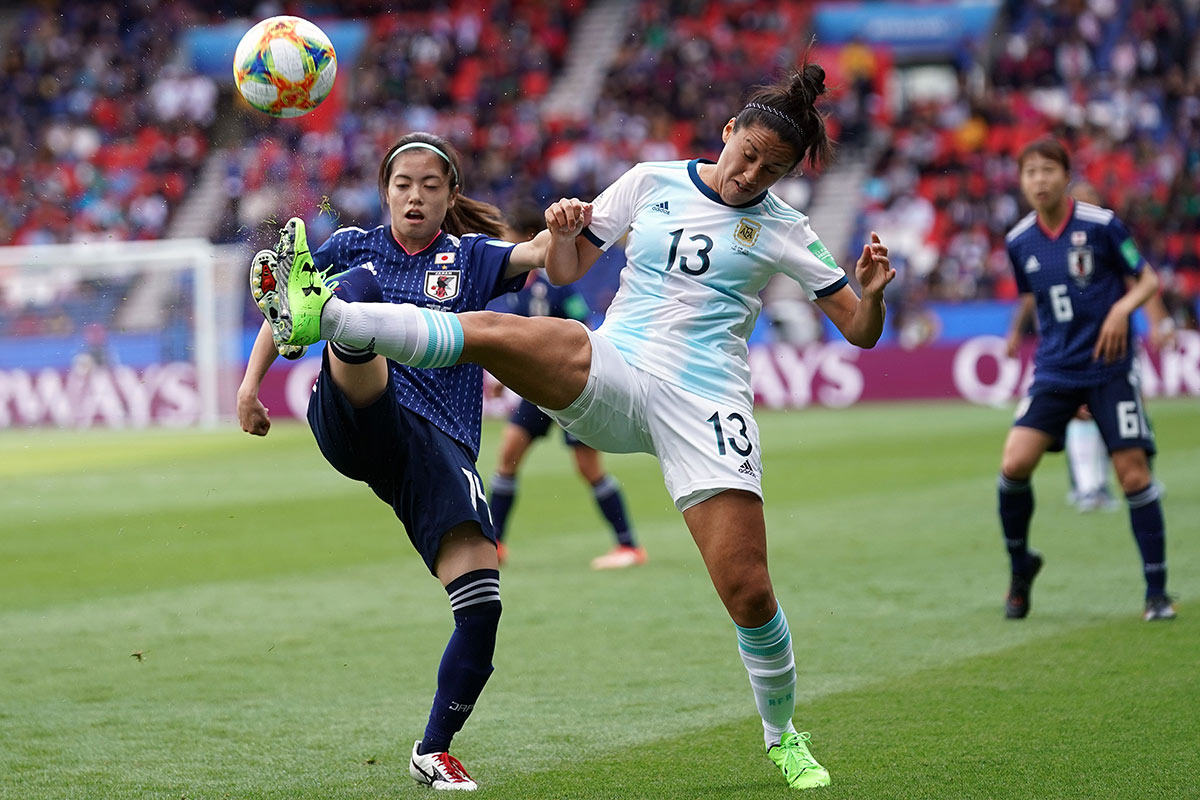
(1120, 95)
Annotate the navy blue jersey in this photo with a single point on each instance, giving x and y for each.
(1076, 276)
(451, 274)
(541, 298)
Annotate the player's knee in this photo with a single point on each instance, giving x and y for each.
(1133, 470)
(1017, 465)
(750, 600)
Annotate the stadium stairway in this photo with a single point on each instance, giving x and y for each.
(197, 217)
(595, 43)
(833, 214)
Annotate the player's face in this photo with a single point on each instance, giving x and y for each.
(1043, 182)
(752, 161)
(418, 196)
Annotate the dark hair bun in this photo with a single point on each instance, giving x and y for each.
(808, 83)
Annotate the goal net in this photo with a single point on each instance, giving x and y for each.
(120, 334)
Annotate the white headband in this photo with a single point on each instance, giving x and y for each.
(427, 146)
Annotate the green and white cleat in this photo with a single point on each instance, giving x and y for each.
(289, 291)
(799, 767)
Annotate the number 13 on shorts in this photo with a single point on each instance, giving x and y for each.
(732, 434)
(711, 448)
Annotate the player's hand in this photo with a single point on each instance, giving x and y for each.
(252, 414)
(567, 218)
(874, 269)
(1113, 340)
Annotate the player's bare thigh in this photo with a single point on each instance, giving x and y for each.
(731, 533)
(1023, 449)
(546, 360)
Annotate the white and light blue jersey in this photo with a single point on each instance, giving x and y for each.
(688, 299)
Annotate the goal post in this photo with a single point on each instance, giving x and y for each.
(120, 334)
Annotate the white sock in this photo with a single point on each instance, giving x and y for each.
(1088, 456)
(767, 654)
(402, 332)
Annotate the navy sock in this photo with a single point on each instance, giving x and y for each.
(1016, 509)
(357, 285)
(504, 494)
(467, 661)
(612, 505)
(1149, 531)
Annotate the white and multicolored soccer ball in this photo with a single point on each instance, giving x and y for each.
(285, 66)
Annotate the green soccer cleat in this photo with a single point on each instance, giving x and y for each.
(800, 769)
(287, 288)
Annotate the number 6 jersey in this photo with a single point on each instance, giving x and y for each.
(1076, 274)
(688, 298)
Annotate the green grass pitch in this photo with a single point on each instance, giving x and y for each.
(287, 636)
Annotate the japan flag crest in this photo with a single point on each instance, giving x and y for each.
(442, 284)
(1080, 265)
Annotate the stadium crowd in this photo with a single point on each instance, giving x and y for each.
(1117, 82)
(95, 144)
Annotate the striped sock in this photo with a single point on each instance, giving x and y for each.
(612, 505)
(1016, 509)
(467, 661)
(504, 494)
(416, 336)
(767, 654)
(1149, 531)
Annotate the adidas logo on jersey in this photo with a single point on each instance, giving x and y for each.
(1032, 264)
(661, 208)
(746, 468)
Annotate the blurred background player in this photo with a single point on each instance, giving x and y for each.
(1079, 267)
(411, 434)
(540, 298)
(1088, 462)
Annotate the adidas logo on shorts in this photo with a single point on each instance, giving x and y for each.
(746, 468)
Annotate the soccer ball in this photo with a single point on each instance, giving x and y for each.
(284, 66)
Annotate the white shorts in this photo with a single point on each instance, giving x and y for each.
(704, 446)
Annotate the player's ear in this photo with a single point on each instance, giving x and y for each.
(725, 134)
(453, 196)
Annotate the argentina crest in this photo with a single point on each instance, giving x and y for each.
(442, 284)
(746, 232)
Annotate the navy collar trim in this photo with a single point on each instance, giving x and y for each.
(707, 191)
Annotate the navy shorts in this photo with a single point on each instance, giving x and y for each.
(428, 478)
(536, 422)
(1116, 406)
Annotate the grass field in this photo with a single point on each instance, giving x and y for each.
(289, 635)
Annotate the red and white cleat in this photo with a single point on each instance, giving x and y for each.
(439, 770)
(620, 557)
